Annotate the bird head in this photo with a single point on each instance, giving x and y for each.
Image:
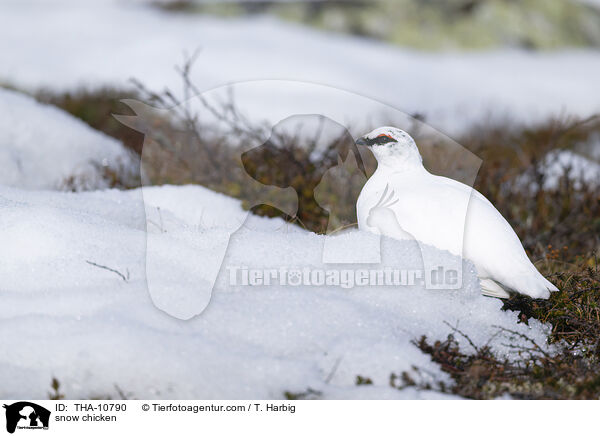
(392, 147)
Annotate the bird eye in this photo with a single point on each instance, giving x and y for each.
(382, 139)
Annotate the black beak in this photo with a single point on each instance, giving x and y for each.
(362, 141)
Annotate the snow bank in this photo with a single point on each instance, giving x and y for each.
(579, 169)
(42, 147)
(558, 163)
(453, 90)
(93, 328)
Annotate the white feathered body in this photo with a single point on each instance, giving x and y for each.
(452, 216)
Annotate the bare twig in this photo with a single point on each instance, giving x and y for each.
(333, 370)
(124, 277)
(121, 393)
(464, 335)
(527, 338)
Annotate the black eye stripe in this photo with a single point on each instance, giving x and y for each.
(380, 140)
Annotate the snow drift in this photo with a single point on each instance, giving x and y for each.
(561, 165)
(42, 147)
(453, 90)
(64, 314)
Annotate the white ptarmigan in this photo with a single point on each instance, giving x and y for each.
(435, 210)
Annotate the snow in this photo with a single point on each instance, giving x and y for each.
(42, 147)
(579, 169)
(558, 163)
(594, 3)
(452, 89)
(64, 317)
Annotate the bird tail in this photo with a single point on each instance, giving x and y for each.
(549, 285)
(534, 285)
(490, 288)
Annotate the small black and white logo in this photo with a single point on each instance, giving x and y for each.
(26, 415)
